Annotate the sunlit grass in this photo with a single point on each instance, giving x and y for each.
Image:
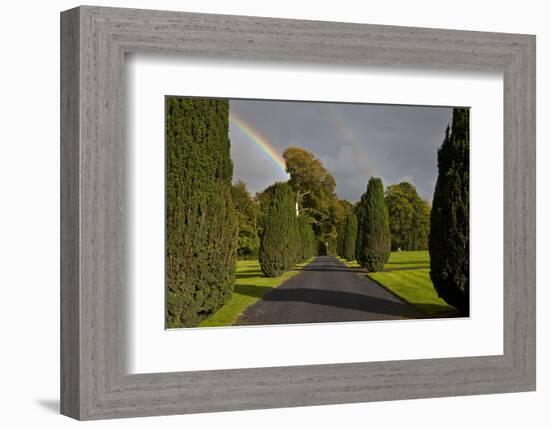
(407, 275)
(408, 259)
(415, 287)
(401, 260)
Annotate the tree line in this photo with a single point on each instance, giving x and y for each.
(408, 221)
(401, 220)
(211, 222)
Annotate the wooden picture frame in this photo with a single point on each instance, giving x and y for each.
(94, 41)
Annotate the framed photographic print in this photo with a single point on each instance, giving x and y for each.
(262, 213)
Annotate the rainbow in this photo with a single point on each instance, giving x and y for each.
(260, 141)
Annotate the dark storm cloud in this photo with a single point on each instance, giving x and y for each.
(354, 142)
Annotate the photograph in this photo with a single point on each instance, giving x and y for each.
(299, 212)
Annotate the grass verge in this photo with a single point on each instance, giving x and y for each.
(400, 261)
(415, 287)
(250, 286)
(407, 275)
(408, 260)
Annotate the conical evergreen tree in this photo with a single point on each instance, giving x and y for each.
(340, 240)
(201, 224)
(449, 239)
(279, 241)
(311, 242)
(350, 237)
(307, 238)
(373, 243)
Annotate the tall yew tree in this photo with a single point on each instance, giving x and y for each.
(449, 241)
(201, 224)
(247, 212)
(340, 240)
(350, 236)
(306, 244)
(279, 243)
(373, 234)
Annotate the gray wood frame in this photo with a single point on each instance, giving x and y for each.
(94, 383)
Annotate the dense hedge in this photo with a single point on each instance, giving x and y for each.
(349, 237)
(279, 241)
(201, 225)
(449, 239)
(373, 243)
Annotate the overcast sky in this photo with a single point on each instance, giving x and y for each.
(354, 142)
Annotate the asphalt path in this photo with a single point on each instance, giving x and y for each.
(326, 290)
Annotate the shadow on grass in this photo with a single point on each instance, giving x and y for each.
(246, 275)
(438, 311)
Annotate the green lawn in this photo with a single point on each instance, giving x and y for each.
(407, 274)
(415, 287)
(401, 260)
(408, 260)
(250, 285)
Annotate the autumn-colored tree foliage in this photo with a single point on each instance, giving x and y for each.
(201, 223)
(373, 243)
(279, 241)
(449, 240)
(315, 191)
(409, 217)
